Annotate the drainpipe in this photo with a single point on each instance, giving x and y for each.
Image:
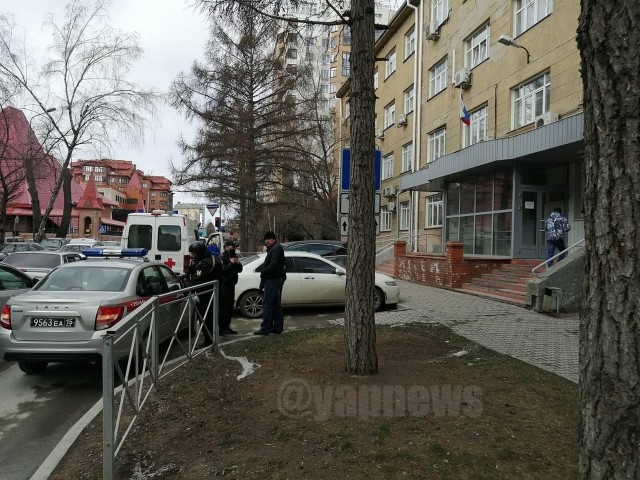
(417, 85)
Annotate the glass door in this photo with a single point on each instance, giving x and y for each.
(535, 206)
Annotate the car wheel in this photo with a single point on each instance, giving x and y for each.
(250, 304)
(378, 299)
(31, 368)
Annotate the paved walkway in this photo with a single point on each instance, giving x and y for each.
(545, 341)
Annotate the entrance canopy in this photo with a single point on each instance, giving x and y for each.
(557, 142)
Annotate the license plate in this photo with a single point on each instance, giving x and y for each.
(53, 322)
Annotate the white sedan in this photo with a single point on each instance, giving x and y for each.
(312, 281)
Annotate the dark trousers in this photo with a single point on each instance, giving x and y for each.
(226, 307)
(551, 250)
(203, 302)
(272, 317)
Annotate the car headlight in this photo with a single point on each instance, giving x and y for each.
(391, 283)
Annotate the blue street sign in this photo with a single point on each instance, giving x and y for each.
(345, 172)
(102, 229)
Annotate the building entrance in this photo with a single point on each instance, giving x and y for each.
(534, 207)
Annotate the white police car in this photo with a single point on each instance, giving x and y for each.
(64, 317)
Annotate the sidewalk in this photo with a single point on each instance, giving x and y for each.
(544, 341)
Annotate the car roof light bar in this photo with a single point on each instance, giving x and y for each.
(115, 252)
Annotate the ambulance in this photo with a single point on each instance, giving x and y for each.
(167, 237)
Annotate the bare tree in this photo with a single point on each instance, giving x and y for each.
(361, 357)
(610, 317)
(11, 168)
(82, 93)
(242, 94)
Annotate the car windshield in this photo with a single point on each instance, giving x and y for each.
(8, 248)
(51, 243)
(95, 278)
(33, 260)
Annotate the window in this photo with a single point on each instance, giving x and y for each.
(346, 36)
(391, 63)
(407, 157)
(404, 216)
(410, 42)
(334, 72)
(123, 180)
(375, 79)
(439, 12)
(99, 178)
(326, 58)
(385, 218)
(145, 185)
(100, 169)
(153, 194)
(434, 210)
(292, 53)
(324, 42)
(483, 225)
(389, 115)
(332, 87)
(325, 73)
(531, 99)
(438, 78)
(477, 47)
(346, 64)
(324, 88)
(387, 167)
(477, 131)
(409, 99)
(530, 12)
(437, 144)
(88, 168)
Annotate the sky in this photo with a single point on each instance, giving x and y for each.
(172, 33)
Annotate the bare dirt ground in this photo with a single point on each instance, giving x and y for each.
(427, 414)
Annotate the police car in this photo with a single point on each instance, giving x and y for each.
(64, 317)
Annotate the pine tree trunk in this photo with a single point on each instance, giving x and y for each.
(359, 331)
(609, 41)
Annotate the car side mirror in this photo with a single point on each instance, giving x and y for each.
(340, 272)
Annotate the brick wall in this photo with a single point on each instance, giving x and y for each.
(445, 271)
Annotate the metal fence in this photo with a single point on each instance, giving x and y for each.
(142, 370)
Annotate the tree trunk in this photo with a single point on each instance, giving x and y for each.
(610, 319)
(359, 331)
(30, 177)
(63, 229)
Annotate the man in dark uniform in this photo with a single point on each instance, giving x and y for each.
(231, 267)
(272, 279)
(204, 268)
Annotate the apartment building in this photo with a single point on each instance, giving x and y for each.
(120, 181)
(494, 121)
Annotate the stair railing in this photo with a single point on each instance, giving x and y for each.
(564, 252)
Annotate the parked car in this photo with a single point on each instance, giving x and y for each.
(13, 239)
(5, 250)
(38, 264)
(53, 244)
(110, 243)
(68, 312)
(325, 248)
(13, 282)
(79, 247)
(312, 281)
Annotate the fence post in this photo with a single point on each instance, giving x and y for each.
(108, 440)
(216, 302)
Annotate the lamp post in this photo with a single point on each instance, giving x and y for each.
(509, 42)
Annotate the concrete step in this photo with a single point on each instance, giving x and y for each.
(499, 284)
(502, 292)
(508, 278)
(493, 296)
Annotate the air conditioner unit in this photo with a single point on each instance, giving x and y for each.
(402, 120)
(462, 78)
(394, 190)
(380, 134)
(432, 33)
(546, 119)
(385, 192)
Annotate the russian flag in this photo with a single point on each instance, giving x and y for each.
(464, 114)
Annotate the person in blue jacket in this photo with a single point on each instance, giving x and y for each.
(556, 226)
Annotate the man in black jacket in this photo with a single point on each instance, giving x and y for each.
(231, 267)
(204, 268)
(272, 277)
